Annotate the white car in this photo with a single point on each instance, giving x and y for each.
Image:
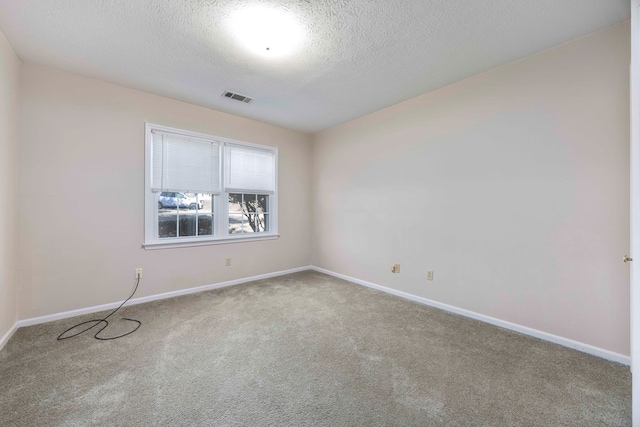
(175, 200)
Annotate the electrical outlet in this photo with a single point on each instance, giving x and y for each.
(395, 268)
(227, 262)
(429, 274)
(138, 273)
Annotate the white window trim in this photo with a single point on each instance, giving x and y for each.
(221, 211)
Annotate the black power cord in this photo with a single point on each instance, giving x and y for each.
(96, 322)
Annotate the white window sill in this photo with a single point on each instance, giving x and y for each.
(182, 243)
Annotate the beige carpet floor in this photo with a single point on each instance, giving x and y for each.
(304, 349)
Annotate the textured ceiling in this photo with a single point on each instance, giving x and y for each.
(358, 56)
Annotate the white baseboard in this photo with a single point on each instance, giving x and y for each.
(565, 342)
(133, 301)
(5, 338)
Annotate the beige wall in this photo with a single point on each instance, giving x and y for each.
(9, 86)
(513, 186)
(81, 215)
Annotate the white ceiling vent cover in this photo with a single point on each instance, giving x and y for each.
(237, 96)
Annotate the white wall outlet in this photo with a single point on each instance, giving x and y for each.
(395, 268)
(138, 273)
(227, 262)
(429, 274)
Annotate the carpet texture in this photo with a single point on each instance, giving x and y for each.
(304, 349)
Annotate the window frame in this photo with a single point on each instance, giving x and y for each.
(219, 202)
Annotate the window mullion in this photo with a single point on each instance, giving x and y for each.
(222, 204)
(177, 217)
(223, 199)
(197, 230)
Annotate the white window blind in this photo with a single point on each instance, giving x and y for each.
(249, 169)
(182, 163)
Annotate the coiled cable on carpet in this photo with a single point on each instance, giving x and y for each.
(106, 323)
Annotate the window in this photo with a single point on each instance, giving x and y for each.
(202, 189)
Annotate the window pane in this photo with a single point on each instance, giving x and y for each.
(186, 220)
(206, 201)
(167, 215)
(205, 215)
(167, 225)
(263, 203)
(250, 203)
(235, 203)
(257, 223)
(235, 223)
(205, 225)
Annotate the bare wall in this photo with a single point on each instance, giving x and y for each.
(81, 168)
(512, 186)
(9, 87)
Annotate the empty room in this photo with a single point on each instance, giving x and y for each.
(319, 213)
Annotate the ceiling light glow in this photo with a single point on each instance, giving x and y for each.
(267, 31)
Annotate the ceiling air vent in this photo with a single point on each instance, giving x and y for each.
(237, 96)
